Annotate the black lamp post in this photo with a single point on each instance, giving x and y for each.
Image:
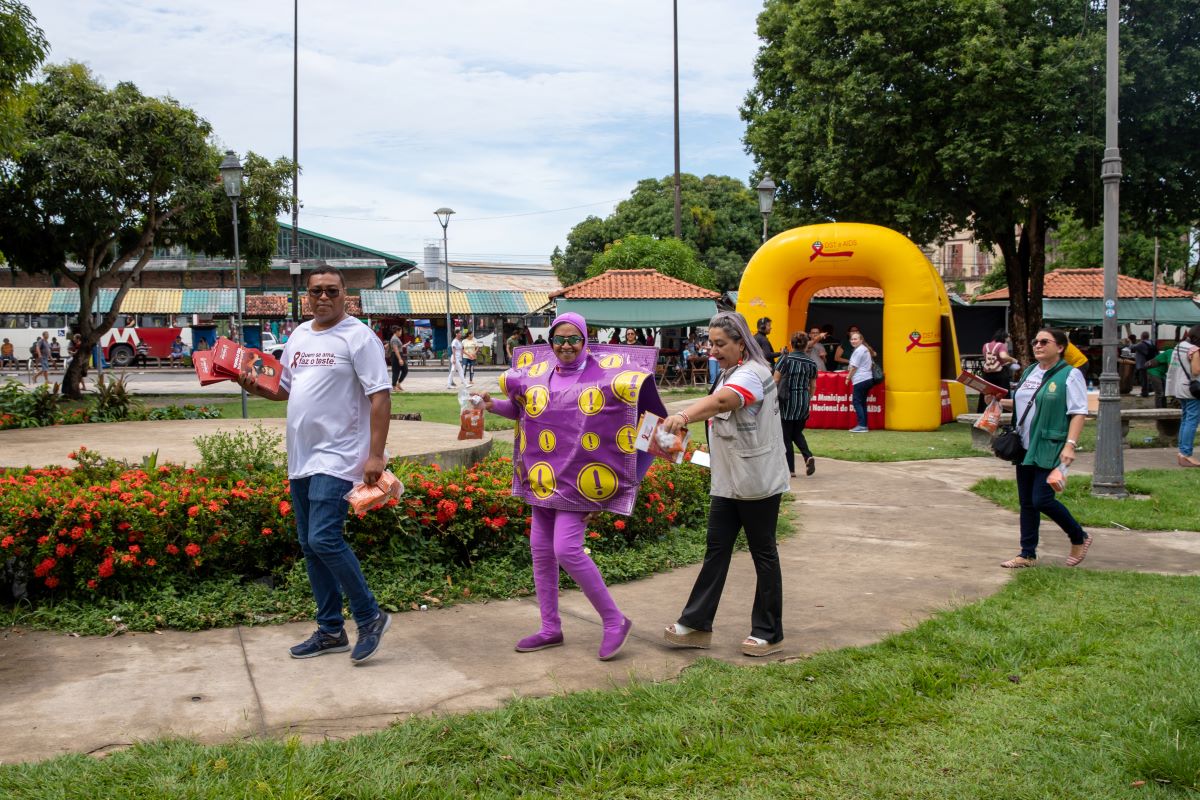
(766, 200)
(443, 218)
(231, 176)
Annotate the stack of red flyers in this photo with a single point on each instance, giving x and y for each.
(228, 359)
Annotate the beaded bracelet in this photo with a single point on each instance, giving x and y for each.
(686, 419)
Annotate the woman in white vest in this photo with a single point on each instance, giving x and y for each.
(749, 475)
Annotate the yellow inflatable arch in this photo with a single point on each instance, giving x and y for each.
(917, 325)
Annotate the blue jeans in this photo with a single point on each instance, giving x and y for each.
(859, 400)
(713, 369)
(332, 566)
(1190, 409)
(1038, 498)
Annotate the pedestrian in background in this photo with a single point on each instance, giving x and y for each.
(1185, 367)
(796, 377)
(861, 378)
(470, 353)
(764, 344)
(398, 356)
(456, 360)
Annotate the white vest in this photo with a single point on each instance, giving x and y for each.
(748, 459)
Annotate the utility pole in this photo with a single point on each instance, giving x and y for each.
(294, 266)
(678, 202)
(1108, 474)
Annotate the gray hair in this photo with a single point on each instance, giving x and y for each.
(735, 327)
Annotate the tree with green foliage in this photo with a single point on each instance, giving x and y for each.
(22, 49)
(930, 117)
(669, 256)
(721, 223)
(103, 174)
(1077, 246)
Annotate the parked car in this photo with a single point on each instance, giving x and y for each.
(271, 346)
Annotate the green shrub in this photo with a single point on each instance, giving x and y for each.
(239, 453)
(112, 401)
(106, 528)
(34, 407)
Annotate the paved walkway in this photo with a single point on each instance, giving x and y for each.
(878, 548)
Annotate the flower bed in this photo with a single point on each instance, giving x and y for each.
(41, 406)
(103, 528)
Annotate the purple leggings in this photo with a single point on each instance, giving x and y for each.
(556, 538)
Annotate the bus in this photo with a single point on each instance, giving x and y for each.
(119, 344)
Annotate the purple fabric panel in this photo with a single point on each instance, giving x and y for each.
(578, 427)
(505, 408)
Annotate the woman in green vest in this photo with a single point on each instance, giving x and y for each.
(1050, 405)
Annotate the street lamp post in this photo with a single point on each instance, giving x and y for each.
(766, 200)
(1108, 474)
(443, 218)
(231, 176)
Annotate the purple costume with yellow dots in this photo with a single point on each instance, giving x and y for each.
(574, 454)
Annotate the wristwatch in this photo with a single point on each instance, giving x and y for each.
(1073, 443)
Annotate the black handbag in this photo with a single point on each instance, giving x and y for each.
(1007, 444)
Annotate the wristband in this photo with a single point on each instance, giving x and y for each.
(1073, 443)
(686, 419)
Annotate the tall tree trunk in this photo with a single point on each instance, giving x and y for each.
(1024, 254)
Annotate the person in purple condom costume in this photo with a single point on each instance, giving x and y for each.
(577, 408)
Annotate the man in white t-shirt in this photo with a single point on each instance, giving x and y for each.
(337, 387)
(456, 360)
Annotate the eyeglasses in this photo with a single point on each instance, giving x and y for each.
(329, 291)
(1043, 342)
(561, 340)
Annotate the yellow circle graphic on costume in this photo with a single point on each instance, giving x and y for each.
(541, 480)
(521, 439)
(504, 383)
(591, 401)
(546, 441)
(597, 481)
(612, 361)
(536, 400)
(627, 385)
(590, 441)
(626, 438)
(524, 360)
(539, 369)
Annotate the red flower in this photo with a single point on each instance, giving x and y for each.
(446, 509)
(41, 569)
(193, 511)
(172, 549)
(593, 535)
(192, 549)
(285, 507)
(619, 524)
(91, 584)
(150, 562)
(51, 582)
(267, 531)
(7, 541)
(106, 568)
(133, 548)
(60, 550)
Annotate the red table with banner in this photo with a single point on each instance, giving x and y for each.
(832, 407)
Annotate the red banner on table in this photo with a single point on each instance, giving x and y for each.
(831, 406)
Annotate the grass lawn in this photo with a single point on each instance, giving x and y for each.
(1066, 684)
(1173, 503)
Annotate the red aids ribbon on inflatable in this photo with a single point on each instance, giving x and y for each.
(914, 340)
(818, 250)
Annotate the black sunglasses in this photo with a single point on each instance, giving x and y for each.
(571, 340)
(329, 291)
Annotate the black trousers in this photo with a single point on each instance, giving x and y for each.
(399, 372)
(726, 518)
(793, 434)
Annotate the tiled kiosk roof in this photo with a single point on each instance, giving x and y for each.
(635, 284)
(137, 301)
(1089, 283)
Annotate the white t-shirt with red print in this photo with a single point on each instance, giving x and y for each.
(329, 376)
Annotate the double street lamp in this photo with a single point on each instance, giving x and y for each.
(231, 176)
(443, 218)
(766, 200)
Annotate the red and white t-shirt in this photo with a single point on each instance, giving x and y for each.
(746, 385)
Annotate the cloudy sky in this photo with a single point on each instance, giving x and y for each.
(524, 116)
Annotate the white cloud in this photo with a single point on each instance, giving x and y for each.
(493, 108)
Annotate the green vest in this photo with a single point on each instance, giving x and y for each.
(1048, 431)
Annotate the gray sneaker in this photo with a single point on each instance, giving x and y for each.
(859, 429)
(369, 636)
